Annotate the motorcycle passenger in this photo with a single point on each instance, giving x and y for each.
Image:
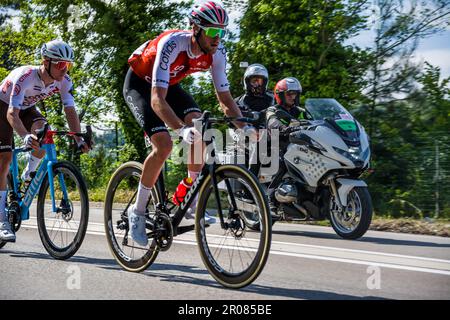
(278, 117)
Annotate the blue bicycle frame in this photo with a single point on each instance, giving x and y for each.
(46, 166)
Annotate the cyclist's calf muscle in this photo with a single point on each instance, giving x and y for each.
(5, 161)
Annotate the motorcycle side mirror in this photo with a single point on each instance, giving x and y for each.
(299, 138)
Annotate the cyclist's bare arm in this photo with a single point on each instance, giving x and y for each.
(72, 119)
(229, 106)
(15, 122)
(163, 110)
(74, 123)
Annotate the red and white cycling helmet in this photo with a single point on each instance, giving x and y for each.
(209, 14)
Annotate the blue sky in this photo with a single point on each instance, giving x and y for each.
(434, 49)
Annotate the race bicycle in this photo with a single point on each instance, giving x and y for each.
(62, 204)
(232, 254)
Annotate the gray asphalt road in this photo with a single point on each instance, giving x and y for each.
(306, 262)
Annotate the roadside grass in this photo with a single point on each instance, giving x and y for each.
(436, 227)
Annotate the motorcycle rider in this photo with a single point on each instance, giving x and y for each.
(287, 96)
(281, 116)
(256, 98)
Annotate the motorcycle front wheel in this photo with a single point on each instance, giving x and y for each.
(353, 222)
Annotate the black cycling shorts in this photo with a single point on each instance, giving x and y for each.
(137, 94)
(28, 117)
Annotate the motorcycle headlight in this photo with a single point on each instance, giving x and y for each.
(353, 154)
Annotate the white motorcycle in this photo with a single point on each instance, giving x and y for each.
(320, 172)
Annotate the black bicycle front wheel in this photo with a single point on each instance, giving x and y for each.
(62, 231)
(233, 255)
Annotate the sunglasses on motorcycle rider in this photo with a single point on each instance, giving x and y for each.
(61, 65)
(292, 93)
(213, 32)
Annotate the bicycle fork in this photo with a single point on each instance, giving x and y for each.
(46, 167)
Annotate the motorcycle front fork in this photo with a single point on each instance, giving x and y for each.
(334, 191)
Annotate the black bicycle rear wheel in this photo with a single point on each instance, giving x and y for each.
(120, 194)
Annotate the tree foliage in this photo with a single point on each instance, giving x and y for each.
(303, 39)
(405, 106)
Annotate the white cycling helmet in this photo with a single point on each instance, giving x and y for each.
(58, 50)
(255, 70)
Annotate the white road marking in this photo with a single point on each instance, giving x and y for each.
(325, 253)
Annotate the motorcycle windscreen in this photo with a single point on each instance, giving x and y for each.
(321, 109)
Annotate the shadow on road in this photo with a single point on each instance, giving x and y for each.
(195, 276)
(46, 256)
(396, 242)
(264, 291)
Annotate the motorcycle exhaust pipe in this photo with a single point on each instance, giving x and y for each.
(293, 213)
(301, 209)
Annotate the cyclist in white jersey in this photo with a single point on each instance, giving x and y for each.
(19, 93)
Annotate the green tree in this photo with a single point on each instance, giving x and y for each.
(104, 34)
(411, 155)
(399, 26)
(431, 123)
(303, 39)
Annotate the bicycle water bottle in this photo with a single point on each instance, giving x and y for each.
(181, 190)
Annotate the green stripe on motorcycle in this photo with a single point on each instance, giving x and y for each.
(346, 125)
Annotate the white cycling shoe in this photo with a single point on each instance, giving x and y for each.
(137, 229)
(6, 233)
(190, 214)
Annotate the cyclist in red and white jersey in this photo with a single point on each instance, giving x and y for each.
(19, 93)
(156, 99)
